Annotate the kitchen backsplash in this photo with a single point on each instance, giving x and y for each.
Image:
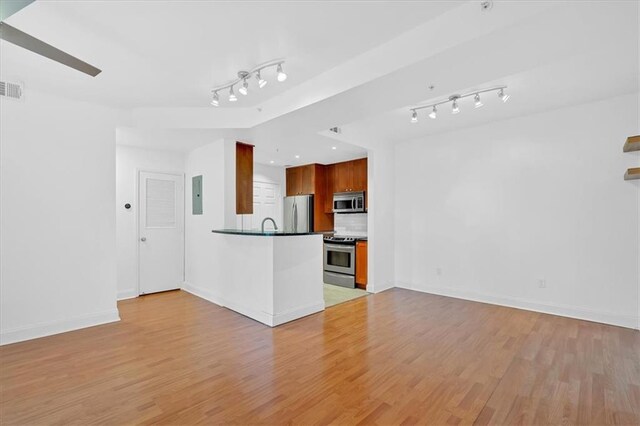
(354, 224)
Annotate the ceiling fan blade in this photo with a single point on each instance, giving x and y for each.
(9, 7)
(19, 38)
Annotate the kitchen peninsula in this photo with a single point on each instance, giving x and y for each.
(271, 277)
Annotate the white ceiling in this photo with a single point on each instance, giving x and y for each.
(311, 149)
(577, 79)
(171, 53)
(357, 65)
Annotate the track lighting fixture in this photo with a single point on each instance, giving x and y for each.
(243, 80)
(281, 75)
(261, 82)
(245, 88)
(454, 107)
(454, 99)
(478, 103)
(503, 96)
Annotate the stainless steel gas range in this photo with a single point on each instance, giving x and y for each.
(340, 261)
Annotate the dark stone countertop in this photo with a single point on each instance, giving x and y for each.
(257, 232)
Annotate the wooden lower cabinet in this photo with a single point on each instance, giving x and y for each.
(361, 264)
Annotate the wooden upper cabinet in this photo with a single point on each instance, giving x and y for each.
(312, 180)
(244, 178)
(308, 181)
(359, 175)
(343, 177)
(301, 180)
(350, 176)
(294, 181)
(329, 187)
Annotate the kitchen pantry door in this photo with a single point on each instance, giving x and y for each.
(160, 231)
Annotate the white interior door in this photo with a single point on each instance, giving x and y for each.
(267, 202)
(161, 231)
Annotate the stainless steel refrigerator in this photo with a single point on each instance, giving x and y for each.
(298, 214)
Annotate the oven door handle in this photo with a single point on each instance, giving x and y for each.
(336, 247)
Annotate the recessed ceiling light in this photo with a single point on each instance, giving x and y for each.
(297, 156)
(334, 147)
(271, 161)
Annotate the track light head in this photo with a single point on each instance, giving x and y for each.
(454, 107)
(414, 116)
(478, 103)
(215, 101)
(244, 89)
(281, 75)
(434, 113)
(261, 82)
(503, 96)
(232, 96)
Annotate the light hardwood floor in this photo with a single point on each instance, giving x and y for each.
(397, 357)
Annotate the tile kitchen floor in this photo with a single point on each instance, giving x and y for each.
(334, 295)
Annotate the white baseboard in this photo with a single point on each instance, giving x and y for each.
(202, 293)
(263, 317)
(372, 288)
(34, 331)
(127, 294)
(259, 316)
(297, 313)
(612, 318)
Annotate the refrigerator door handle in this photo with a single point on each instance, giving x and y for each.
(295, 217)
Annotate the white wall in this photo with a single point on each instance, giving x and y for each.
(485, 213)
(58, 224)
(270, 174)
(381, 225)
(201, 254)
(129, 160)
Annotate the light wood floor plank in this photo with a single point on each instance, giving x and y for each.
(397, 357)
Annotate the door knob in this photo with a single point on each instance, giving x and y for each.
(143, 239)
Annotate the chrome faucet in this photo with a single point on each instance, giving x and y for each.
(272, 221)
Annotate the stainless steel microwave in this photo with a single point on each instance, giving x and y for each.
(348, 202)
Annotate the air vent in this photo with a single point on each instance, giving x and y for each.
(10, 90)
(336, 130)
